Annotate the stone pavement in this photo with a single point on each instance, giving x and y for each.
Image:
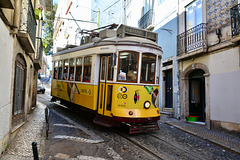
(226, 141)
(32, 131)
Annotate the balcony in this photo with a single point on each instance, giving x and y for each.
(7, 4)
(193, 42)
(38, 54)
(235, 23)
(146, 22)
(27, 29)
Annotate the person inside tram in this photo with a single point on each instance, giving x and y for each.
(132, 73)
(86, 75)
(71, 77)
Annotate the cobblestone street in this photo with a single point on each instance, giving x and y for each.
(73, 136)
(77, 136)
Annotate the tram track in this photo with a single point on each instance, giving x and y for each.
(158, 153)
(152, 154)
(178, 148)
(181, 153)
(137, 144)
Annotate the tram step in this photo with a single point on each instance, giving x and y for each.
(106, 122)
(146, 127)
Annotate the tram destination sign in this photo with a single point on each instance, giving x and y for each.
(124, 30)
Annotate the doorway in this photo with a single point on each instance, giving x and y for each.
(105, 85)
(168, 88)
(19, 91)
(197, 105)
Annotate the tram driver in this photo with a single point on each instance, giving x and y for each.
(132, 73)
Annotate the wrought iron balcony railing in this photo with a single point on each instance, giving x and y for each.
(193, 39)
(235, 20)
(27, 24)
(146, 20)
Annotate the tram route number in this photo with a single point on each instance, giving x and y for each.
(121, 96)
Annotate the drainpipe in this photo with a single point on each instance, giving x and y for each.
(178, 74)
(16, 16)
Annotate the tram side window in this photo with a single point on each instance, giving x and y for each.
(148, 67)
(71, 69)
(55, 70)
(78, 74)
(65, 71)
(128, 66)
(60, 70)
(87, 69)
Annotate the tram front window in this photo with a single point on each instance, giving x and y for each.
(128, 66)
(148, 68)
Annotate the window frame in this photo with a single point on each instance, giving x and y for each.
(55, 66)
(103, 60)
(76, 65)
(194, 5)
(74, 68)
(108, 67)
(127, 81)
(90, 76)
(155, 68)
(60, 73)
(64, 65)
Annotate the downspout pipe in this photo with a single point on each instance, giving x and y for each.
(16, 16)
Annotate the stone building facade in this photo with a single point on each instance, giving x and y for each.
(20, 52)
(209, 64)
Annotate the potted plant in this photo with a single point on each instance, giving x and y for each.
(38, 13)
(192, 118)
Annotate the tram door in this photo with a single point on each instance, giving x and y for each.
(105, 86)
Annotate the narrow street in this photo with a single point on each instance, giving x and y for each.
(73, 135)
(120, 79)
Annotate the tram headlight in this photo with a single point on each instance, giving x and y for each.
(147, 104)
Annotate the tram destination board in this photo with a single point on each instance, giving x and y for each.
(124, 30)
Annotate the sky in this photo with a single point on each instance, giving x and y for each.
(55, 1)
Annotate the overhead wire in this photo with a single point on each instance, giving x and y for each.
(106, 10)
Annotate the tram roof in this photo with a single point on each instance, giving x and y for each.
(128, 40)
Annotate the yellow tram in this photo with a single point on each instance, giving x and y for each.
(116, 76)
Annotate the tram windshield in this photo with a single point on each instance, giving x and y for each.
(148, 68)
(128, 67)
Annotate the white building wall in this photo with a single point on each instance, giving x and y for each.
(133, 12)
(164, 12)
(69, 30)
(224, 86)
(6, 47)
